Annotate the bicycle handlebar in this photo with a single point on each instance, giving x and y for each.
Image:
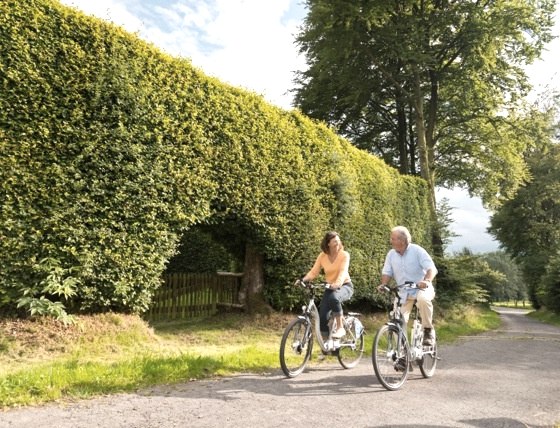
(396, 288)
(311, 285)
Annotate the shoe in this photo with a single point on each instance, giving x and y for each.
(339, 333)
(400, 365)
(429, 337)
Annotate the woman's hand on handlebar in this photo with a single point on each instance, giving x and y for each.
(299, 283)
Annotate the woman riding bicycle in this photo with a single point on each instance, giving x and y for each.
(334, 261)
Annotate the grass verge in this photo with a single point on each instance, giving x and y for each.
(546, 316)
(41, 360)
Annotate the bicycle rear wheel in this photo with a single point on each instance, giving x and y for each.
(296, 347)
(429, 361)
(390, 358)
(351, 350)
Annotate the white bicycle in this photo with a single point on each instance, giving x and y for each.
(297, 341)
(393, 354)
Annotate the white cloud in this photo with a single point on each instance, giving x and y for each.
(544, 73)
(246, 43)
(470, 221)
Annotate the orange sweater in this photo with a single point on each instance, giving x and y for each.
(336, 273)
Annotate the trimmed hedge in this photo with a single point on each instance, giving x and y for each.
(111, 150)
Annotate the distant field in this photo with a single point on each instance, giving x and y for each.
(514, 304)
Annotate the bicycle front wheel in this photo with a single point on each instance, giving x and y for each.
(429, 361)
(390, 357)
(351, 351)
(296, 347)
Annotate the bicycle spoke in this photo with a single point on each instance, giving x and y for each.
(390, 358)
(296, 347)
(352, 348)
(429, 361)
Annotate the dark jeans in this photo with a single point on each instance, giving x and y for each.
(332, 301)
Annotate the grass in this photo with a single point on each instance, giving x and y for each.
(546, 316)
(42, 360)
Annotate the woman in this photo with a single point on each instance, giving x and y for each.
(334, 261)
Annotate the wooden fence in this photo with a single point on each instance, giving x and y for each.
(189, 295)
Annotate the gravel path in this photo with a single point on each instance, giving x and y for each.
(504, 378)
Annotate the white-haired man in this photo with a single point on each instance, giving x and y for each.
(410, 262)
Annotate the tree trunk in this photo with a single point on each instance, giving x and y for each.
(252, 285)
(402, 135)
(425, 165)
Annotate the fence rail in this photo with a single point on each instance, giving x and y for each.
(189, 295)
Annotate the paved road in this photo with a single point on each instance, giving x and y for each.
(505, 378)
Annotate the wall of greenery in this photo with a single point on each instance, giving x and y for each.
(112, 150)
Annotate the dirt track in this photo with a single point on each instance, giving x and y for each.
(506, 378)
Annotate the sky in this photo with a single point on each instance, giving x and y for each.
(250, 44)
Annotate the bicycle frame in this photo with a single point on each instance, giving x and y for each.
(310, 314)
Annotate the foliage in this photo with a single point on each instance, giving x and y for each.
(432, 87)
(528, 225)
(551, 284)
(444, 222)
(112, 150)
(461, 280)
(511, 286)
(199, 252)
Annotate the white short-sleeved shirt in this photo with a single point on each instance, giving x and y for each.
(411, 266)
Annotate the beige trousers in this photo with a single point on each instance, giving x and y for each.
(425, 307)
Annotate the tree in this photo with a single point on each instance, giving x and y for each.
(528, 226)
(461, 280)
(551, 284)
(433, 87)
(513, 287)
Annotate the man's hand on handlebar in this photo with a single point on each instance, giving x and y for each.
(382, 288)
(423, 284)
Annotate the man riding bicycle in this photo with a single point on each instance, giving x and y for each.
(410, 262)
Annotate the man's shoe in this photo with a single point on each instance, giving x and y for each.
(339, 333)
(429, 337)
(400, 365)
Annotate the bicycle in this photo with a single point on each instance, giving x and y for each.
(393, 354)
(296, 345)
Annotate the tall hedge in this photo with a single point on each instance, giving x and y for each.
(111, 150)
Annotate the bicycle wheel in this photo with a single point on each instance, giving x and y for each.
(351, 350)
(390, 358)
(429, 361)
(296, 347)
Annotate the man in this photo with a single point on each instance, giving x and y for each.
(410, 262)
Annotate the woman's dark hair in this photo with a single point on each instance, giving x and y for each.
(326, 240)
